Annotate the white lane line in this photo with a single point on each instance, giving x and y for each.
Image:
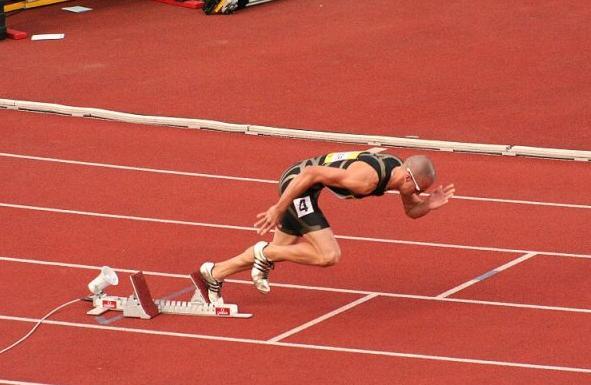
(456, 246)
(322, 318)
(486, 275)
(9, 382)
(436, 358)
(314, 288)
(511, 201)
(132, 168)
(126, 217)
(268, 181)
(523, 202)
(245, 228)
(302, 346)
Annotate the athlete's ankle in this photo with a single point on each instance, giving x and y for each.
(217, 274)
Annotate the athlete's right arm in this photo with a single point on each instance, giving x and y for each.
(359, 178)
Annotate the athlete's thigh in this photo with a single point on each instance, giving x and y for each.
(283, 239)
(323, 241)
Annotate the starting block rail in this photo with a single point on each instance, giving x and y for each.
(140, 304)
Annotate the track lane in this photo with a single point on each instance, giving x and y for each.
(192, 199)
(288, 309)
(61, 281)
(107, 357)
(181, 249)
(518, 335)
(562, 281)
(259, 157)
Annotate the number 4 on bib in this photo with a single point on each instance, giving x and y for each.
(303, 206)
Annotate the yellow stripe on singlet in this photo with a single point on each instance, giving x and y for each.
(338, 156)
(219, 6)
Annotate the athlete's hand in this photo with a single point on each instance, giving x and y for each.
(268, 220)
(440, 196)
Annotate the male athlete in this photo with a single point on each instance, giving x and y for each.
(303, 234)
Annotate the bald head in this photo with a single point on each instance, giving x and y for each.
(422, 169)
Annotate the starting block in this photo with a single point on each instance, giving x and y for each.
(140, 304)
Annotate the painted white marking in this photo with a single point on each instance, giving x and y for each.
(126, 217)
(302, 346)
(323, 318)
(456, 246)
(131, 168)
(9, 382)
(245, 228)
(268, 181)
(315, 288)
(435, 358)
(486, 275)
(511, 201)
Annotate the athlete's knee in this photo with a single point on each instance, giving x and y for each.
(329, 258)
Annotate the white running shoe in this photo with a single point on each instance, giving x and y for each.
(260, 269)
(214, 287)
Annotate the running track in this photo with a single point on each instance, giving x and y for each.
(465, 70)
(78, 194)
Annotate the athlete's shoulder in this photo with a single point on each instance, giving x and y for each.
(383, 157)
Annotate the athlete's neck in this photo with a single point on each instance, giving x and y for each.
(396, 179)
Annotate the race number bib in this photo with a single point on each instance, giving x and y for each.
(303, 206)
(338, 156)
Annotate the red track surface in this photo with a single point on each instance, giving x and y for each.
(79, 353)
(509, 72)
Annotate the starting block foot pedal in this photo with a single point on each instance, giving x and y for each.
(141, 304)
(200, 289)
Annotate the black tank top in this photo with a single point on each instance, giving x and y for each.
(383, 164)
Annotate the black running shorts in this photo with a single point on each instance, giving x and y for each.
(303, 214)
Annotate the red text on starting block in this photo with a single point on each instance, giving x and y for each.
(222, 311)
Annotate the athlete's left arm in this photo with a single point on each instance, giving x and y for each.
(359, 178)
(416, 206)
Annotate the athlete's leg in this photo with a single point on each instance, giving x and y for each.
(318, 248)
(214, 273)
(244, 260)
